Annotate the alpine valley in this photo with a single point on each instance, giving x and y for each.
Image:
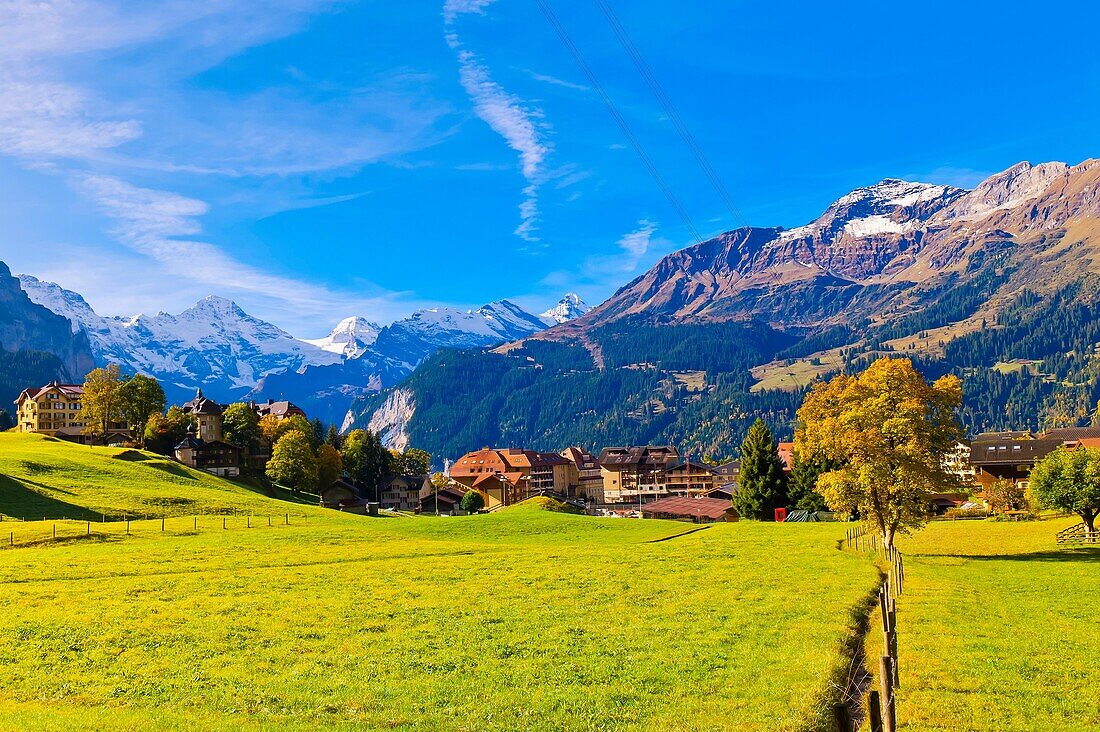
(999, 284)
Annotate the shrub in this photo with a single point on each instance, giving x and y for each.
(472, 502)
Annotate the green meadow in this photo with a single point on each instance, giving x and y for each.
(43, 477)
(526, 619)
(998, 629)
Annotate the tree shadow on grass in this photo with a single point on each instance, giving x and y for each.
(19, 501)
(1081, 553)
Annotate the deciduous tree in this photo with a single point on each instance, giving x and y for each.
(102, 401)
(330, 466)
(1069, 480)
(273, 428)
(1006, 495)
(292, 462)
(141, 397)
(164, 431)
(761, 485)
(888, 430)
(415, 462)
(241, 426)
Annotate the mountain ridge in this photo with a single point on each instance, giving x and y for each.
(918, 269)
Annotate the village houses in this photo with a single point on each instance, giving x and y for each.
(54, 410)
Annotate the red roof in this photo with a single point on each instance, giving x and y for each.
(714, 508)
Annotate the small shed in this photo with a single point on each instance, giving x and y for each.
(696, 510)
(343, 496)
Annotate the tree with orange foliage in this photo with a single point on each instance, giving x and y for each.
(888, 430)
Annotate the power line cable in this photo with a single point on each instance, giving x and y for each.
(647, 161)
(659, 92)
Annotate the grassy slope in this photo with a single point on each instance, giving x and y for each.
(42, 477)
(525, 619)
(997, 629)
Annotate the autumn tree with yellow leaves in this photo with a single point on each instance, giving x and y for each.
(888, 430)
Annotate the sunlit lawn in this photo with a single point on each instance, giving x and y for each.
(521, 620)
(999, 629)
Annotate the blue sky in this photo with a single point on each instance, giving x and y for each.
(314, 159)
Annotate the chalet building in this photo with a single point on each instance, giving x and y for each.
(585, 477)
(445, 502)
(342, 496)
(213, 456)
(690, 479)
(402, 492)
(696, 510)
(957, 463)
(54, 410)
(1011, 455)
(278, 409)
(508, 476)
(635, 474)
(208, 416)
(727, 475)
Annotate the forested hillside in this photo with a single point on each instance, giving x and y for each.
(547, 395)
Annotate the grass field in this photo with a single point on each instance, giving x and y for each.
(42, 477)
(998, 629)
(524, 619)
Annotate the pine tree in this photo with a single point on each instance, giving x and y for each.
(802, 485)
(761, 484)
(333, 437)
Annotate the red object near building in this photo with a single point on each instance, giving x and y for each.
(780, 515)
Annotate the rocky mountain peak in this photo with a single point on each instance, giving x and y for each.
(350, 338)
(1008, 189)
(570, 307)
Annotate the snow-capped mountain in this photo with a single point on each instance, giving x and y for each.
(350, 338)
(213, 344)
(570, 307)
(396, 349)
(411, 340)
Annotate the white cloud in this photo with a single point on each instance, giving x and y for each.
(546, 78)
(162, 226)
(510, 118)
(41, 118)
(636, 243)
(506, 114)
(602, 273)
(453, 8)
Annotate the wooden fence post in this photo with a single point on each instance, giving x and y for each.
(843, 720)
(89, 528)
(223, 522)
(162, 524)
(874, 711)
(886, 674)
(127, 527)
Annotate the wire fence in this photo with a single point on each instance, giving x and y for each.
(880, 707)
(15, 533)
